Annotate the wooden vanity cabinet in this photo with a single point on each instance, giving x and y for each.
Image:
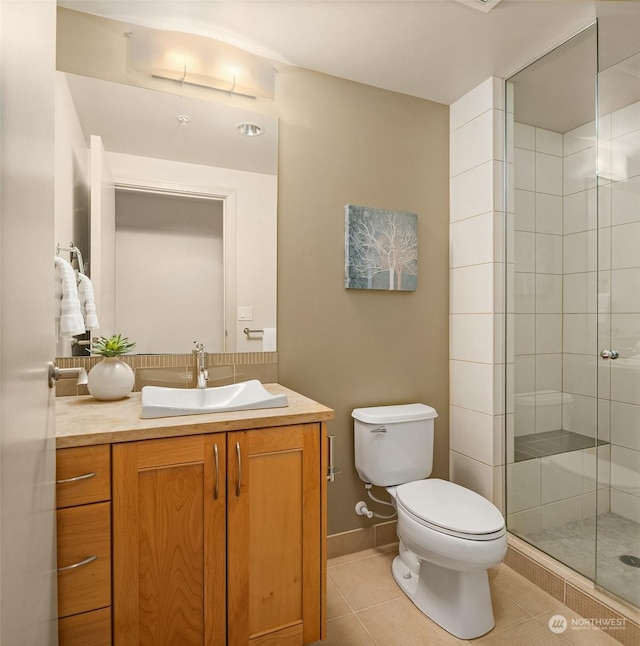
(83, 489)
(217, 538)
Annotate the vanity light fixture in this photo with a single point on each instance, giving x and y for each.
(183, 119)
(250, 129)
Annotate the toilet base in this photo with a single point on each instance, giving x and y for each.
(459, 602)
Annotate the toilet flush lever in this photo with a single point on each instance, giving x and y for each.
(380, 429)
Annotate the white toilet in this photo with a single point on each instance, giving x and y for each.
(449, 536)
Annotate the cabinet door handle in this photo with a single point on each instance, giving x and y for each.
(216, 489)
(84, 476)
(89, 559)
(239, 469)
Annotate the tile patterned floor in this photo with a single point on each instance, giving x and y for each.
(575, 544)
(367, 608)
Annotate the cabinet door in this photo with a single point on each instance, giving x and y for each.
(274, 575)
(169, 542)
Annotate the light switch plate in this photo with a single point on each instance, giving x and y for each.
(245, 313)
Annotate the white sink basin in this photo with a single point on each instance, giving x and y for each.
(171, 402)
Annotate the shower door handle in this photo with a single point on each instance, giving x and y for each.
(609, 354)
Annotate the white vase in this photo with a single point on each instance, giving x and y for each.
(111, 379)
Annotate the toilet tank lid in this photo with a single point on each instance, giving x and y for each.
(392, 414)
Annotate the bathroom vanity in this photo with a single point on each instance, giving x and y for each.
(206, 529)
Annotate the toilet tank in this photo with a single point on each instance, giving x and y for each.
(393, 444)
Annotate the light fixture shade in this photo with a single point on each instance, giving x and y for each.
(202, 61)
(250, 129)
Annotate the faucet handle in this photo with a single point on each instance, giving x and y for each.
(199, 347)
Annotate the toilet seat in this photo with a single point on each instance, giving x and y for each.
(450, 509)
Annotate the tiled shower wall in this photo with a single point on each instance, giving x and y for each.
(476, 261)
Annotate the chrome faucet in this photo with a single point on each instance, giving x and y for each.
(201, 362)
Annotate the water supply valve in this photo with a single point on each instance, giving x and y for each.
(363, 510)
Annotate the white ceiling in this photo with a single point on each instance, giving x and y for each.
(432, 49)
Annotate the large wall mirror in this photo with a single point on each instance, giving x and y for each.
(173, 210)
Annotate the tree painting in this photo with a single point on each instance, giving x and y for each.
(381, 249)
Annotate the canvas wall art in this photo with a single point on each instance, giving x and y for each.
(381, 249)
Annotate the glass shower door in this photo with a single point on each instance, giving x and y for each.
(618, 307)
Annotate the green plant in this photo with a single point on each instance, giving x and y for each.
(114, 346)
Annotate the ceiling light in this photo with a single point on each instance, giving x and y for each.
(250, 129)
(190, 59)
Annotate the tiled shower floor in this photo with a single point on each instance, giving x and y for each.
(575, 545)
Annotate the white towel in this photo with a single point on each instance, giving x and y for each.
(87, 302)
(269, 339)
(67, 303)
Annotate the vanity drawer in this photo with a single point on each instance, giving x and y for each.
(83, 475)
(84, 532)
(87, 629)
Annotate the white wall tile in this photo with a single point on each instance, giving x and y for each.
(525, 333)
(596, 463)
(579, 293)
(548, 293)
(483, 97)
(580, 333)
(524, 169)
(524, 136)
(471, 474)
(580, 138)
(548, 142)
(625, 201)
(524, 292)
(580, 252)
(525, 251)
(561, 476)
(560, 513)
(625, 505)
(472, 434)
(548, 372)
(580, 211)
(625, 381)
(525, 522)
(524, 374)
(525, 210)
(548, 174)
(472, 144)
(579, 171)
(625, 241)
(625, 466)
(625, 422)
(548, 254)
(472, 290)
(579, 415)
(625, 295)
(548, 416)
(625, 120)
(471, 241)
(549, 213)
(472, 192)
(471, 386)
(548, 333)
(472, 337)
(523, 485)
(579, 374)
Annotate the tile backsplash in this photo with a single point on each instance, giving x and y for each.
(178, 370)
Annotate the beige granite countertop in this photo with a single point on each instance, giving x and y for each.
(83, 420)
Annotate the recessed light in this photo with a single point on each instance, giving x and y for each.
(250, 129)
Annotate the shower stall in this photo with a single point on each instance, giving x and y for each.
(573, 309)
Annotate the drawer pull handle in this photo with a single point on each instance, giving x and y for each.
(216, 489)
(89, 559)
(239, 469)
(85, 476)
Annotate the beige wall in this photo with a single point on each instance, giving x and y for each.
(339, 143)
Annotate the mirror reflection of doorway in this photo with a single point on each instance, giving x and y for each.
(169, 278)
